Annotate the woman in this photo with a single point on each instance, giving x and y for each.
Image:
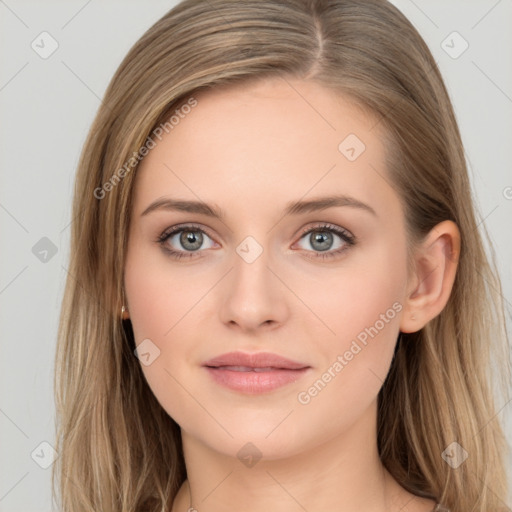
(279, 295)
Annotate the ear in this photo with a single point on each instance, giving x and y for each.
(435, 262)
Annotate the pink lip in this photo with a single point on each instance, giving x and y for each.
(239, 371)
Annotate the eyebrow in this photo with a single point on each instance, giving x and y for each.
(292, 208)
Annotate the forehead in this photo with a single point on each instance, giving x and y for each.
(273, 138)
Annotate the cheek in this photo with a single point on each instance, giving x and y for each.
(163, 300)
(159, 294)
(357, 362)
(365, 291)
(362, 309)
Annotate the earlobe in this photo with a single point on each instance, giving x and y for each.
(436, 263)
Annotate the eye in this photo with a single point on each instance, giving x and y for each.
(323, 238)
(186, 240)
(189, 239)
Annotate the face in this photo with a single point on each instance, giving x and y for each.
(320, 284)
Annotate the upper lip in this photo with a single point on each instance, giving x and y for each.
(257, 360)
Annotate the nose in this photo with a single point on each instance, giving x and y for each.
(253, 297)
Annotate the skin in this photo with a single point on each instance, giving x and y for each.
(250, 150)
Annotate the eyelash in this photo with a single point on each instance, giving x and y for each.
(349, 240)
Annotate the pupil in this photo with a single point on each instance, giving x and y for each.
(191, 237)
(320, 238)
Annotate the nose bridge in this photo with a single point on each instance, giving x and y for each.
(252, 294)
(251, 262)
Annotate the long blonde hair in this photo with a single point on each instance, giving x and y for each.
(118, 449)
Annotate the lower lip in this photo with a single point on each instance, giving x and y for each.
(255, 382)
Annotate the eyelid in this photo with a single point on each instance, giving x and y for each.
(183, 227)
(328, 227)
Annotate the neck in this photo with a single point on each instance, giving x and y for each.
(344, 473)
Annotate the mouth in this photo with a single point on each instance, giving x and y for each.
(242, 361)
(249, 368)
(254, 373)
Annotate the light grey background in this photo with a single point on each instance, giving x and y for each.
(46, 107)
